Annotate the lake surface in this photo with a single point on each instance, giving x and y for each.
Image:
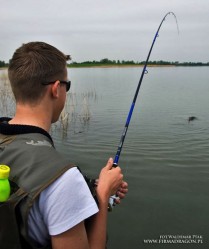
(164, 159)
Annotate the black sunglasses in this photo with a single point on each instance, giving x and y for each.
(67, 83)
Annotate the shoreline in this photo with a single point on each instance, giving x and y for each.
(107, 66)
(122, 66)
(114, 66)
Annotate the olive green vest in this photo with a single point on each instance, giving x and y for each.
(34, 165)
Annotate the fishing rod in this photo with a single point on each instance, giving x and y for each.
(144, 71)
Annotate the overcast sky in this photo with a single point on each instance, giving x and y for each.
(114, 29)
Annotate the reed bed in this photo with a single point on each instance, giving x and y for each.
(75, 116)
(7, 102)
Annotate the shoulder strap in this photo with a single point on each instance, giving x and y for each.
(9, 232)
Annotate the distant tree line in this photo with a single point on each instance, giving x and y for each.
(107, 62)
(3, 64)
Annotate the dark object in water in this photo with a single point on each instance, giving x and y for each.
(192, 118)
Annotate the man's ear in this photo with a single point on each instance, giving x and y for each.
(55, 90)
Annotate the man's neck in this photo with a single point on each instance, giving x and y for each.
(29, 115)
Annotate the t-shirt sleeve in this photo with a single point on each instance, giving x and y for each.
(66, 202)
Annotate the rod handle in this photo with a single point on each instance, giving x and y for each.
(112, 197)
(115, 165)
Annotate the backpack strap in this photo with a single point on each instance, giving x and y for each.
(9, 231)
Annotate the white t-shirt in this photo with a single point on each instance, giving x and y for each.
(61, 206)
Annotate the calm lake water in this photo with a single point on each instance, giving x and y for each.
(164, 158)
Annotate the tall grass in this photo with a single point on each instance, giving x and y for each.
(7, 103)
(75, 116)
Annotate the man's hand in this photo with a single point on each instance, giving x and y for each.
(121, 192)
(110, 180)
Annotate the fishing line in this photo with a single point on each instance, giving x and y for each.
(144, 71)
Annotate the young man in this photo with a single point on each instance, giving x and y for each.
(56, 219)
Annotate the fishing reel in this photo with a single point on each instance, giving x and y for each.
(112, 203)
(92, 185)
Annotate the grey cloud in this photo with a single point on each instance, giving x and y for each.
(119, 29)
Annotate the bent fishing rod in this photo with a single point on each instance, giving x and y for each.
(144, 71)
